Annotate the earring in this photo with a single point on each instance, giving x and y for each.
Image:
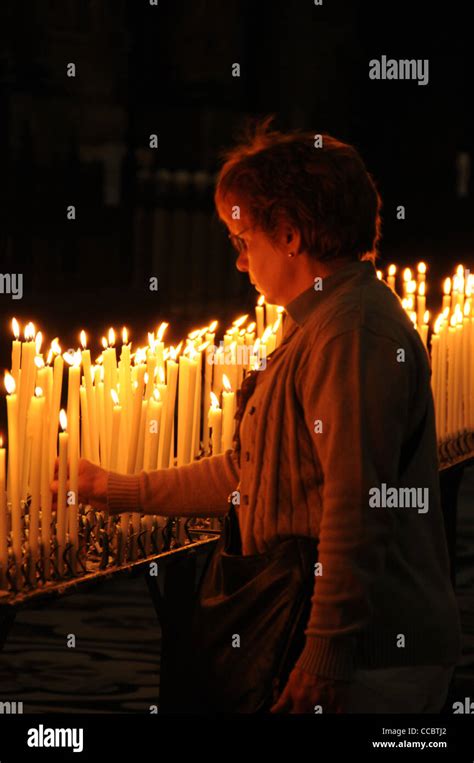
(291, 254)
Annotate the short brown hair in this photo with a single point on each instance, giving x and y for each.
(326, 192)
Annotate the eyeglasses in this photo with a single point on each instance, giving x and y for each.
(238, 243)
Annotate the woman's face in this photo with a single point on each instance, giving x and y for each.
(265, 260)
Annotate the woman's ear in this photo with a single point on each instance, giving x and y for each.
(293, 239)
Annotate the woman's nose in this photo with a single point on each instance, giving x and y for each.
(242, 262)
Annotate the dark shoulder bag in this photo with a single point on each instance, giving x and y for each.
(248, 623)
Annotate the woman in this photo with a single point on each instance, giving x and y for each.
(343, 408)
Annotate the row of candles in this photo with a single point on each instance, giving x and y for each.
(122, 412)
(123, 409)
(451, 345)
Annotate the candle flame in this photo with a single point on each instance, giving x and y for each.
(114, 396)
(49, 357)
(38, 342)
(39, 362)
(422, 289)
(10, 385)
(456, 283)
(161, 330)
(99, 360)
(55, 346)
(237, 323)
(379, 275)
(124, 335)
(251, 327)
(161, 374)
(178, 348)
(83, 338)
(30, 331)
(1, 441)
(226, 383)
(214, 400)
(213, 326)
(63, 419)
(145, 378)
(453, 321)
(73, 357)
(261, 300)
(276, 325)
(140, 355)
(438, 323)
(111, 336)
(104, 342)
(266, 334)
(467, 308)
(447, 286)
(392, 269)
(407, 274)
(156, 394)
(242, 332)
(151, 339)
(15, 328)
(426, 317)
(203, 346)
(411, 287)
(38, 391)
(421, 267)
(460, 271)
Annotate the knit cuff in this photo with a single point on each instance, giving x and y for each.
(328, 657)
(123, 492)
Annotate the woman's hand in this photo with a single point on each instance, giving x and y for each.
(304, 691)
(92, 484)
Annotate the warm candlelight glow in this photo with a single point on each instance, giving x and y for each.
(114, 396)
(63, 419)
(237, 323)
(156, 394)
(38, 391)
(407, 274)
(83, 338)
(447, 286)
(55, 346)
(29, 331)
(15, 328)
(261, 300)
(38, 342)
(124, 335)
(161, 374)
(392, 269)
(421, 267)
(226, 383)
(161, 331)
(39, 362)
(379, 275)
(111, 336)
(422, 288)
(426, 316)
(214, 400)
(104, 342)
(213, 326)
(10, 385)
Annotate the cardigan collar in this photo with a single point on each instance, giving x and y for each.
(301, 307)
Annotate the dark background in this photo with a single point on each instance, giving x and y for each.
(144, 212)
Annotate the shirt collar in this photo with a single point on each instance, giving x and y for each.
(301, 307)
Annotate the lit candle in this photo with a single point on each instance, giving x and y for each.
(446, 295)
(186, 397)
(424, 328)
(392, 269)
(3, 518)
(215, 424)
(16, 352)
(421, 273)
(420, 304)
(90, 405)
(166, 446)
(14, 471)
(74, 377)
(260, 315)
(116, 419)
(152, 431)
(228, 412)
(406, 281)
(36, 415)
(28, 374)
(62, 506)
